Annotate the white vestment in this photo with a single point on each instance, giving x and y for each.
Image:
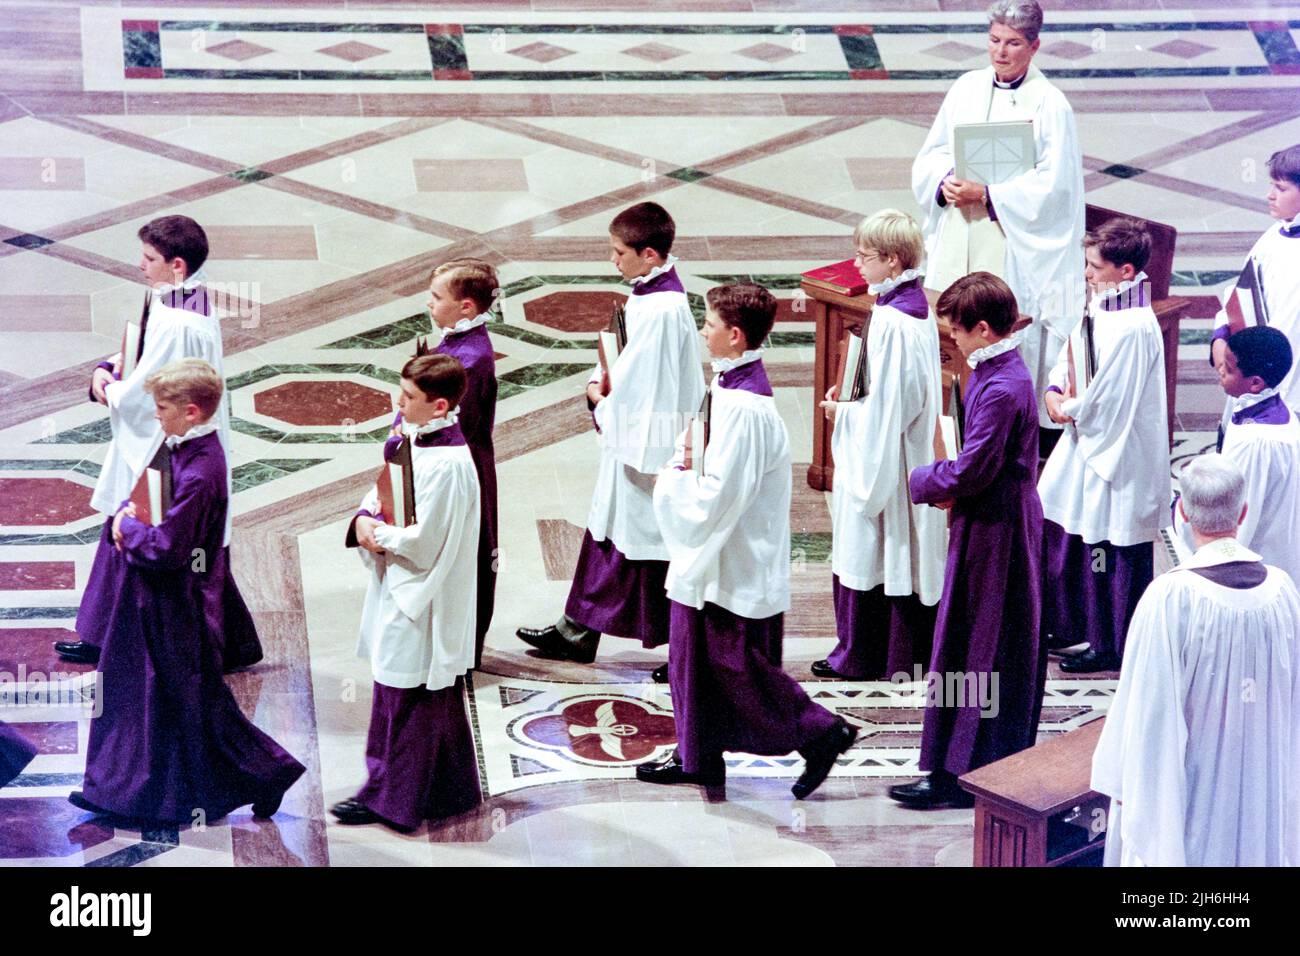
(1278, 257)
(417, 624)
(1107, 479)
(170, 334)
(728, 530)
(880, 536)
(1040, 212)
(657, 383)
(1201, 749)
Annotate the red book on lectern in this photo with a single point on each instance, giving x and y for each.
(842, 277)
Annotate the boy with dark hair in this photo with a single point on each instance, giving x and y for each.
(1106, 485)
(461, 294)
(177, 322)
(1275, 257)
(171, 745)
(1262, 439)
(417, 625)
(727, 529)
(653, 386)
(987, 628)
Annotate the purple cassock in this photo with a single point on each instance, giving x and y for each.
(988, 620)
(883, 634)
(15, 753)
(171, 739)
(476, 416)
(728, 689)
(1093, 589)
(420, 755)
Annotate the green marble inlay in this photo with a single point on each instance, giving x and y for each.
(1194, 336)
(789, 339)
(447, 52)
(88, 468)
(43, 464)
(256, 430)
(1278, 46)
(767, 281)
(387, 336)
(688, 174)
(33, 613)
(540, 340)
(810, 546)
(254, 473)
(527, 284)
(244, 379)
(861, 52)
(535, 376)
(250, 174)
(88, 536)
(141, 49)
(239, 26)
(1202, 277)
(95, 433)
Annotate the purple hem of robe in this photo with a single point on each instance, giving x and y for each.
(880, 634)
(1271, 411)
(420, 755)
(907, 297)
(617, 596)
(750, 377)
(729, 691)
(663, 282)
(1080, 604)
(15, 753)
(1238, 575)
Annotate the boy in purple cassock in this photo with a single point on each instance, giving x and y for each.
(15, 753)
(417, 624)
(726, 523)
(986, 641)
(461, 293)
(171, 745)
(618, 585)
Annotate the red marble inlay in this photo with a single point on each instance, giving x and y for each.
(37, 575)
(43, 501)
(574, 311)
(141, 26)
(441, 74)
(604, 729)
(49, 737)
(38, 827)
(854, 29)
(30, 651)
(323, 402)
(443, 29)
(143, 73)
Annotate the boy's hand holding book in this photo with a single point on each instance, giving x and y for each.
(365, 528)
(98, 382)
(1053, 401)
(127, 512)
(830, 405)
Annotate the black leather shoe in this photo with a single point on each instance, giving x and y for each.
(1089, 662)
(553, 645)
(823, 669)
(821, 757)
(660, 674)
(77, 652)
(351, 813)
(670, 770)
(268, 807)
(930, 793)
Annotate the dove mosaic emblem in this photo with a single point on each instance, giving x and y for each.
(600, 730)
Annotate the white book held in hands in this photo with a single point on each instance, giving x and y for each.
(992, 153)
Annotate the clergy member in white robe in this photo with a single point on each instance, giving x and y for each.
(1106, 487)
(724, 509)
(1262, 438)
(417, 623)
(1200, 754)
(1027, 229)
(178, 321)
(887, 554)
(1276, 256)
(639, 406)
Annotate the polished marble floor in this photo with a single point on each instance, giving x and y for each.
(335, 151)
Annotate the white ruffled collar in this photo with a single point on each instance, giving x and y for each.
(1220, 551)
(889, 285)
(993, 351)
(1099, 299)
(431, 426)
(727, 364)
(464, 325)
(657, 271)
(1243, 402)
(198, 431)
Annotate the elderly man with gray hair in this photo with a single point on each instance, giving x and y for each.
(1023, 224)
(1200, 754)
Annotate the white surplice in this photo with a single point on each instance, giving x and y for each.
(657, 384)
(1108, 479)
(170, 334)
(1269, 457)
(417, 623)
(1278, 257)
(728, 530)
(1040, 212)
(880, 536)
(1201, 749)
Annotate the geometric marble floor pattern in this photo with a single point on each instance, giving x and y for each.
(336, 154)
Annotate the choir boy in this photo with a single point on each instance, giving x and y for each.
(177, 322)
(653, 385)
(417, 624)
(986, 637)
(1263, 440)
(15, 753)
(1199, 753)
(171, 745)
(887, 553)
(1106, 486)
(1275, 255)
(728, 533)
(461, 293)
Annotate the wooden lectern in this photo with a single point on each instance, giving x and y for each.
(1038, 808)
(834, 314)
